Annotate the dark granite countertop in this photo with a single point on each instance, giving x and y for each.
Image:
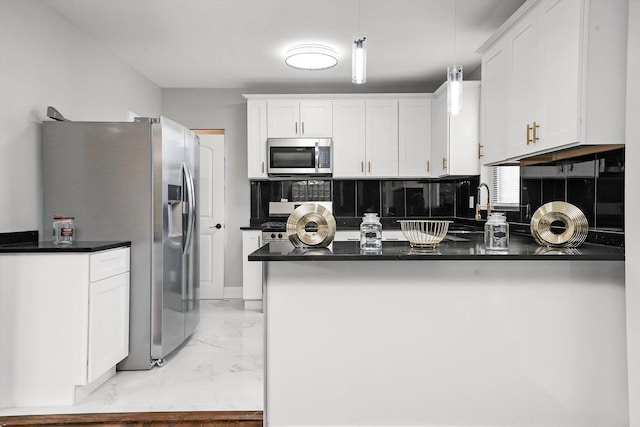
(456, 247)
(44, 247)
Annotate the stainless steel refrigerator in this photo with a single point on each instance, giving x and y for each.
(134, 181)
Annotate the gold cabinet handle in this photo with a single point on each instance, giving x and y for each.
(296, 128)
(263, 167)
(535, 132)
(444, 163)
(303, 128)
(480, 151)
(529, 134)
(361, 167)
(428, 166)
(369, 166)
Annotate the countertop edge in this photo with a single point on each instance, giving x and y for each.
(521, 249)
(49, 247)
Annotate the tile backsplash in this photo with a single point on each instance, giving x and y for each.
(594, 183)
(389, 198)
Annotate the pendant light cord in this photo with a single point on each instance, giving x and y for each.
(455, 31)
(359, 13)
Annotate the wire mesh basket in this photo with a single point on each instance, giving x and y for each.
(424, 233)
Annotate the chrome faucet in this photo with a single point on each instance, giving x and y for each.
(478, 216)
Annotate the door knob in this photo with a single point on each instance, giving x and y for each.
(218, 226)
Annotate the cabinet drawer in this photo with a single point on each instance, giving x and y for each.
(108, 263)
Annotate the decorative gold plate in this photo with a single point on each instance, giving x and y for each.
(575, 225)
(305, 215)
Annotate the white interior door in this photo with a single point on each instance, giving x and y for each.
(212, 230)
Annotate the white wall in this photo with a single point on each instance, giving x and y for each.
(221, 109)
(44, 61)
(632, 207)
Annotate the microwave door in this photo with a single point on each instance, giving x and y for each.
(292, 160)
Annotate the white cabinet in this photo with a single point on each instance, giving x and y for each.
(564, 73)
(108, 324)
(256, 139)
(456, 139)
(365, 138)
(381, 134)
(354, 235)
(64, 324)
(522, 57)
(493, 109)
(299, 118)
(347, 235)
(349, 143)
(251, 270)
(414, 137)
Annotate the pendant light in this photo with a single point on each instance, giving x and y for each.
(359, 62)
(454, 75)
(359, 57)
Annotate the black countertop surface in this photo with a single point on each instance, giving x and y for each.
(79, 246)
(455, 247)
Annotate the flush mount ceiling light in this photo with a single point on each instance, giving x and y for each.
(311, 57)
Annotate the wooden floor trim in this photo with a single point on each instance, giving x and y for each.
(151, 419)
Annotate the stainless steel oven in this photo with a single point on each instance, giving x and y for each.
(299, 156)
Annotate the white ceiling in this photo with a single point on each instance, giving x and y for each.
(241, 43)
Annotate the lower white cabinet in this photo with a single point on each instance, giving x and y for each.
(108, 324)
(251, 270)
(354, 235)
(64, 324)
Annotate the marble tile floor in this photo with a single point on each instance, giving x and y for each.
(219, 368)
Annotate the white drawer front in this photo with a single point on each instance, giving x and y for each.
(108, 263)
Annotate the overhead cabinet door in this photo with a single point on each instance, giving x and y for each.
(522, 48)
(414, 137)
(349, 147)
(299, 119)
(283, 118)
(382, 138)
(559, 34)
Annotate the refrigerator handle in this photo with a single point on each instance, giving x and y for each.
(191, 207)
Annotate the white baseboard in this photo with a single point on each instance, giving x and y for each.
(233, 292)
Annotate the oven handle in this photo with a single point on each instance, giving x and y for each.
(317, 156)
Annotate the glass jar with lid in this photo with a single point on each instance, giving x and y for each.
(370, 231)
(496, 232)
(63, 229)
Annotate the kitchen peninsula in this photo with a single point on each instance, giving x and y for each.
(452, 336)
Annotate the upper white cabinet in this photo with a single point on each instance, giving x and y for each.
(456, 139)
(493, 108)
(564, 69)
(522, 60)
(414, 137)
(256, 139)
(374, 135)
(299, 118)
(349, 144)
(365, 138)
(382, 137)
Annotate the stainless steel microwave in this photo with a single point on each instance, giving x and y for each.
(299, 156)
